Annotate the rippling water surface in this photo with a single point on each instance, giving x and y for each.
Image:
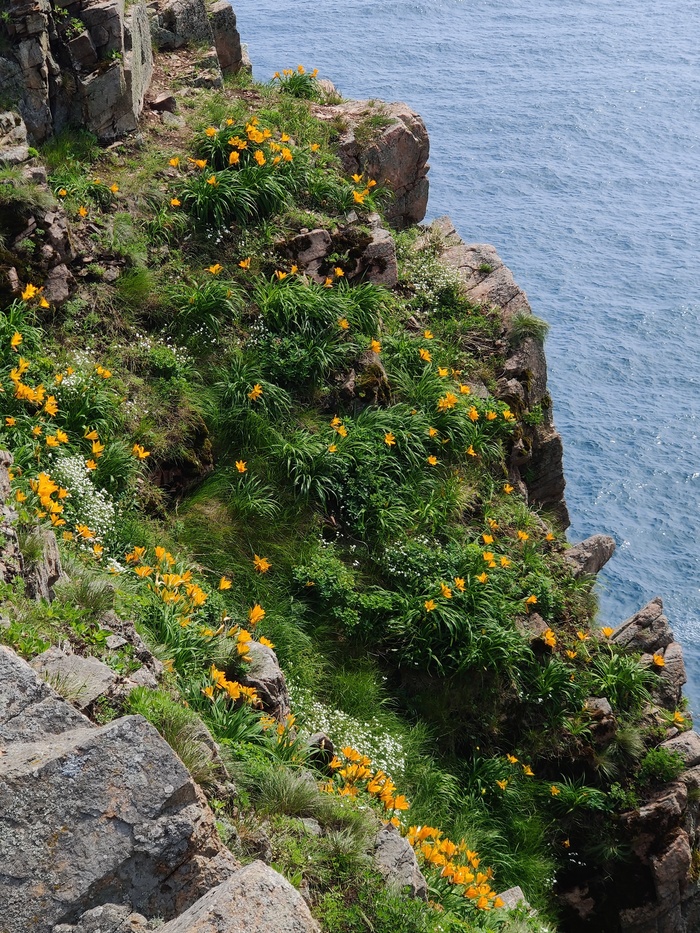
(568, 135)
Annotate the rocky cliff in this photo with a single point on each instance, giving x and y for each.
(125, 834)
(90, 63)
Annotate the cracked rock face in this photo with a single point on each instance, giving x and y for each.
(94, 815)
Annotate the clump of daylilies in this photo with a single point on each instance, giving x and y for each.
(298, 82)
(456, 865)
(231, 688)
(353, 773)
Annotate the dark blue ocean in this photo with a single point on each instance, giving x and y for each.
(568, 135)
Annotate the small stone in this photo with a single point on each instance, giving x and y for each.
(113, 642)
(164, 102)
(170, 119)
(309, 247)
(313, 827)
(513, 898)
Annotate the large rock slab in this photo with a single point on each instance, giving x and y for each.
(101, 815)
(397, 862)
(255, 899)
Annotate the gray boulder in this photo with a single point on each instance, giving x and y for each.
(265, 675)
(29, 709)
(58, 284)
(177, 23)
(591, 555)
(82, 680)
(101, 815)
(687, 744)
(397, 862)
(109, 918)
(256, 899)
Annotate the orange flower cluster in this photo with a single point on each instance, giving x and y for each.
(356, 773)
(231, 688)
(172, 588)
(457, 863)
(45, 489)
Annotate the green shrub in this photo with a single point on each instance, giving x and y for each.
(659, 766)
(622, 680)
(197, 307)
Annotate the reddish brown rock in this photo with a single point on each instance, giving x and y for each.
(388, 143)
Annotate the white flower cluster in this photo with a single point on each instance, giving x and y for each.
(423, 271)
(368, 737)
(258, 332)
(147, 342)
(398, 558)
(87, 504)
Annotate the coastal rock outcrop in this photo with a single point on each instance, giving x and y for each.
(94, 67)
(536, 461)
(590, 556)
(387, 142)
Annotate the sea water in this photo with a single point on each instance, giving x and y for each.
(567, 134)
